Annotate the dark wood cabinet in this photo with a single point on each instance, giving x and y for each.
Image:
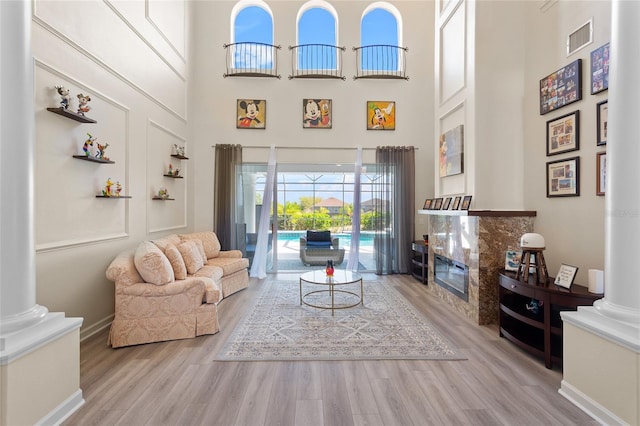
(538, 331)
(419, 263)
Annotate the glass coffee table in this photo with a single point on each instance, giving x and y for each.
(339, 278)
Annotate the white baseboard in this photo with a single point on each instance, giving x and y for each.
(95, 328)
(64, 410)
(589, 406)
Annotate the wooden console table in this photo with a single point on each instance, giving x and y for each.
(538, 333)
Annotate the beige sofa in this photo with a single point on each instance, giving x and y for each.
(169, 288)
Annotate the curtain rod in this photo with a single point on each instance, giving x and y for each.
(309, 147)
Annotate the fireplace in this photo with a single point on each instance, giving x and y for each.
(452, 275)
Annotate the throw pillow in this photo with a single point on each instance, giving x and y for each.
(209, 241)
(152, 265)
(201, 250)
(319, 236)
(176, 260)
(191, 255)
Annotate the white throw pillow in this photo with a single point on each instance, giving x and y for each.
(177, 262)
(191, 255)
(152, 265)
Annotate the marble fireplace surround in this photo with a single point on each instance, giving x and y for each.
(479, 239)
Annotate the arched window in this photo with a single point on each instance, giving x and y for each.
(317, 31)
(252, 35)
(381, 38)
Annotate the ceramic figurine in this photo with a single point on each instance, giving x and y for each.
(170, 172)
(176, 172)
(163, 193)
(88, 144)
(181, 150)
(101, 149)
(65, 102)
(107, 188)
(84, 103)
(175, 149)
(118, 188)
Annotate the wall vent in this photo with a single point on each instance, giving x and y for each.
(580, 38)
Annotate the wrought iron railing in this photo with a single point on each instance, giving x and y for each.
(251, 59)
(316, 61)
(381, 61)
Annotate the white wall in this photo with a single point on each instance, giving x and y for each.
(130, 57)
(573, 227)
(213, 98)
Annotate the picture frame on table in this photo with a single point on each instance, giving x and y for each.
(563, 134)
(601, 172)
(446, 203)
(561, 88)
(438, 204)
(466, 202)
(456, 203)
(563, 177)
(427, 203)
(512, 260)
(566, 275)
(600, 69)
(602, 112)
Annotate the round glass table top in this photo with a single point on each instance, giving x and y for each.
(340, 276)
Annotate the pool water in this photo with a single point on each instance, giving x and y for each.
(366, 239)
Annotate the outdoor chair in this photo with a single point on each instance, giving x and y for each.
(318, 246)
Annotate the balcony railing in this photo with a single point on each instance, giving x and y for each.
(251, 59)
(316, 61)
(381, 61)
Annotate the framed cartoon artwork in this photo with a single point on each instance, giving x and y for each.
(602, 113)
(381, 115)
(600, 69)
(451, 153)
(563, 134)
(601, 172)
(251, 114)
(316, 113)
(563, 177)
(561, 88)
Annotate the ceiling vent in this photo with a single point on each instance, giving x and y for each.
(580, 38)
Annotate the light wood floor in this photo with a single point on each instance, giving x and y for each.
(179, 383)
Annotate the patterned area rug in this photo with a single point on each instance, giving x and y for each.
(277, 327)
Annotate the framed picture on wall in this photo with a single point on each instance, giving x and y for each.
(563, 133)
(600, 69)
(316, 113)
(381, 115)
(251, 114)
(603, 116)
(561, 88)
(451, 152)
(601, 172)
(563, 177)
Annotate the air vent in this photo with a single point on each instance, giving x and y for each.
(580, 38)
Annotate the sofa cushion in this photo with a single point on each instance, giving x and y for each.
(152, 264)
(177, 262)
(229, 265)
(210, 271)
(319, 244)
(191, 256)
(319, 236)
(209, 241)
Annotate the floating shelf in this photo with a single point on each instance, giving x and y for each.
(162, 199)
(114, 196)
(72, 115)
(182, 157)
(174, 177)
(93, 159)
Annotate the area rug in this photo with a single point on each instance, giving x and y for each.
(386, 326)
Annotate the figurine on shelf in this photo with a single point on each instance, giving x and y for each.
(88, 144)
(65, 102)
(107, 188)
(84, 103)
(181, 151)
(101, 149)
(176, 172)
(178, 149)
(118, 188)
(170, 172)
(163, 193)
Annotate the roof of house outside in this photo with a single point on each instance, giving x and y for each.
(330, 202)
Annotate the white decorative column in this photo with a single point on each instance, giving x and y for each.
(602, 343)
(39, 351)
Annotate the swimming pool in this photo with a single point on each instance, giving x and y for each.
(366, 238)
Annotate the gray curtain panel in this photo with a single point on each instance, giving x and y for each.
(227, 196)
(394, 218)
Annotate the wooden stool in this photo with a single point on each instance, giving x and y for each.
(525, 263)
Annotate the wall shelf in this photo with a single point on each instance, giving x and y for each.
(72, 115)
(114, 196)
(182, 157)
(173, 176)
(162, 199)
(93, 159)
